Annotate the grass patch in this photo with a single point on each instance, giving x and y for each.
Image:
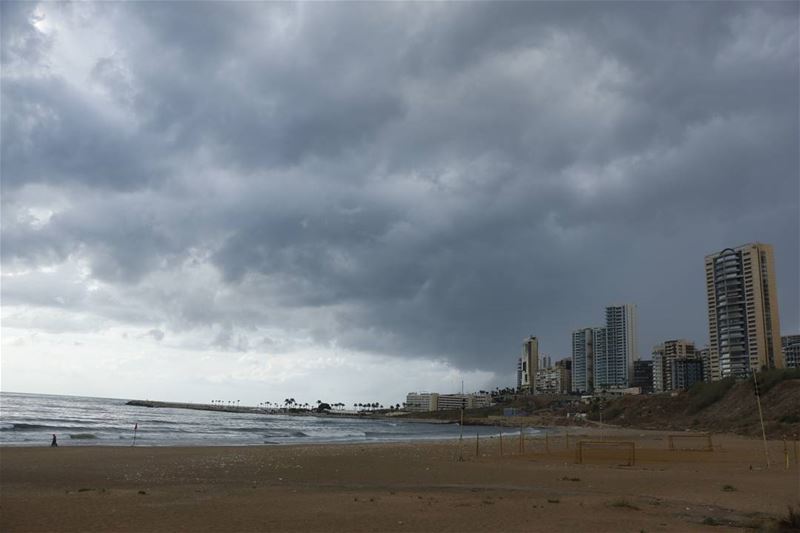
(711, 521)
(769, 378)
(623, 504)
(566, 478)
(554, 500)
(704, 394)
(728, 488)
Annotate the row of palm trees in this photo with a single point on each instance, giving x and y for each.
(291, 403)
(375, 405)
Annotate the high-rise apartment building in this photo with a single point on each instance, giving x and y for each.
(685, 373)
(705, 357)
(587, 344)
(790, 346)
(663, 356)
(529, 361)
(743, 322)
(564, 366)
(643, 375)
(615, 367)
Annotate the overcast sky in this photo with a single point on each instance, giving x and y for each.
(350, 201)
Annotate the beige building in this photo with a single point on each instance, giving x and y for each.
(421, 402)
(529, 364)
(663, 356)
(449, 402)
(743, 321)
(553, 380)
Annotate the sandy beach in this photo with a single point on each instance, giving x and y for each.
(401, 487)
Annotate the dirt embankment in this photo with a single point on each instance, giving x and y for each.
(717, 407)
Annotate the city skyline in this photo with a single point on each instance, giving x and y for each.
(249, 200)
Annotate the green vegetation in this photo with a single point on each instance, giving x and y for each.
(701, 395)
(711, 521)
(769, 378)
(728, 488)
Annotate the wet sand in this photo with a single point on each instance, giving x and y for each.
(399, 487)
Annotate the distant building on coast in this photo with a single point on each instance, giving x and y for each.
(743, 322)
(433, 401)
(555, 379)
(643, 375)
(614, 368)
(685, 373)
(790, 345)
(565, 368)
(529, 363)
(587, 343)
(422, 402)
(704, 355)
(664, 355)
(449, 402)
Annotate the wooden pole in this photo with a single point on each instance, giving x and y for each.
(461, 434)
(477, 445)
(785, 455)
(521, 444)
(761, 417)
(501, 443)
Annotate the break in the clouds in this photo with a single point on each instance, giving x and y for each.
(361, 199)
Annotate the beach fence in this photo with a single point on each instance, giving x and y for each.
(516, 442)
(690, 442)
(604, 451)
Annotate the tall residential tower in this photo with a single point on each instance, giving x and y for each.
(529, 364)
(743, 324)
(587, 345)
(615, 367)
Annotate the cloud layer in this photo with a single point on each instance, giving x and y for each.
(419, 182)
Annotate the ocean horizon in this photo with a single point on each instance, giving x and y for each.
(31, 419)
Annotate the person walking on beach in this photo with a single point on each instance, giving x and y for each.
(54, 443)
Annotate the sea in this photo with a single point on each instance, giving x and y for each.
(32, 419)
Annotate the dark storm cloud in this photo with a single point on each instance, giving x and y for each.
(434, 180)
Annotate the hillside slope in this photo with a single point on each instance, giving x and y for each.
(723, 406)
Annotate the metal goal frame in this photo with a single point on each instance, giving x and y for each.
(706, 437)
